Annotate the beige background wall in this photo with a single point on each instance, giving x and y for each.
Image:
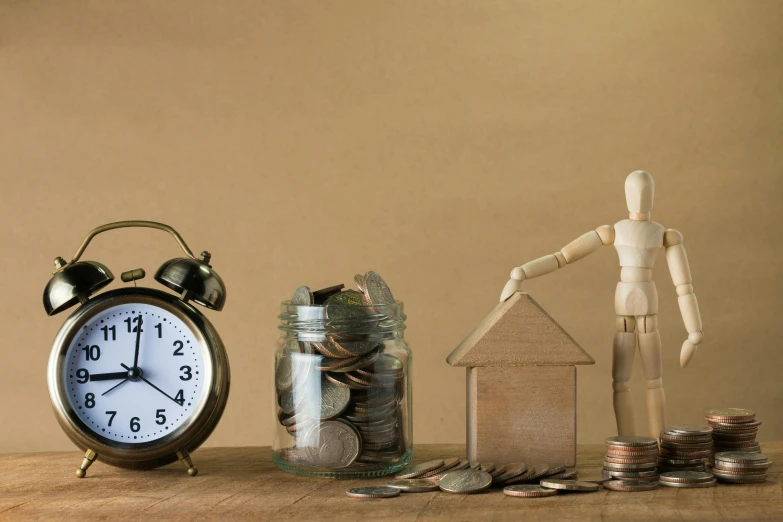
(439, 143)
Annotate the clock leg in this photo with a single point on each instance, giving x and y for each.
(89, 458)
(184, 457)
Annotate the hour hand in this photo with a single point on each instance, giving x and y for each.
(108, 376)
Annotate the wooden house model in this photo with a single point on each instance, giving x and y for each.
(521, 385)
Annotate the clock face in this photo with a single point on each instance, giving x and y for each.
(135, 402)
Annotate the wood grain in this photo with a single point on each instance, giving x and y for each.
(518, 332)
(242, 483)
(522, 414)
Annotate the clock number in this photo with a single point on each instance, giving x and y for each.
(111, 415)
(179, 346)
(89, 400)
(180, 398)
(160, 419)
(134, 424)
(188, 375)
(106, 330)
(82, 375)
(133, 320)
(92, 353)
(159, 326)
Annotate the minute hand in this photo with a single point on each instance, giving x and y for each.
(138, 342)
(161, 391)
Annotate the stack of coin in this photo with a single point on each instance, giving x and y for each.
(685, 448)
(739, 467)
(687, 479)
(631, 458)
(734, 429)
(342, 394)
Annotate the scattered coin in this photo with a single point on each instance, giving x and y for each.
(413, 485)
(465, 481)
(419, 469)
(447, 465)
(566, 474)
(512, 470)
(630, 485)
(373, 492)
(528, 491)
(555, 467)
(570, 485)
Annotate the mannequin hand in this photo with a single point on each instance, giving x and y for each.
(510, 289)
(689, 348)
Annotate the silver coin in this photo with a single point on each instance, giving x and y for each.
(707, 484)
(629, 467)
(688, 429)
(631, 474)
(377, 291)
(465, 481)
(346, 307)
(528, 491)
(566, 474)
(332, 401)
(686, 476)
(569, 485)
(512, 470)
(303, 297)
(631, 441)
(333, 444)
(740, 456)
(630, 485)
(555, 467)
(413, 485)
(418, 470)
(373, 492)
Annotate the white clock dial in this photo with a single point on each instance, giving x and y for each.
(138, 403)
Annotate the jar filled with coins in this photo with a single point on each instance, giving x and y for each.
(342, 382)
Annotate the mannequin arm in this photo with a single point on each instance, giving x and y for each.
(581, 247)
(689, 306)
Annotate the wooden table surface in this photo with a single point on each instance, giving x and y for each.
(236, 483)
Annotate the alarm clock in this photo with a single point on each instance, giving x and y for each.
(137, 377)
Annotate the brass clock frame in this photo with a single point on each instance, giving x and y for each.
(174, 446)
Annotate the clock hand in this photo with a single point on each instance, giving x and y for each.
(115, 386)
(108, 376)
(138, 339)
(161, 391)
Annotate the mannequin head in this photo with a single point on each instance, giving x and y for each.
(639, 193)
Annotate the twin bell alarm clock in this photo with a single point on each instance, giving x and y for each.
(137, 377)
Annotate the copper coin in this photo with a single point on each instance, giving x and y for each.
(447, 464)
(528, 491)
(540, 470)
(735, 425)
(738, 471)
(489, 467)
(566, 474)
(630, 460)
(512, 470)
(524, 477)
(629, 486)
(499, 470)
(463, 464)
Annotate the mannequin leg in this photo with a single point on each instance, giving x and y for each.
(650, 351)
(622, 365)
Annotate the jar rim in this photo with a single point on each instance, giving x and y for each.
(371, 318)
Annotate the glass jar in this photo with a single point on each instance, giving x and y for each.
(342, 391)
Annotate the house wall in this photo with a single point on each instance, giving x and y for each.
(522, 414)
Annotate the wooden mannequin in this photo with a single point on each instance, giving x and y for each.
(637, 241)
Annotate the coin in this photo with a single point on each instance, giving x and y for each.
(303, 297)
(347, 305)
(540, 470)
(597, 480)
(464, 481)
(419, 469)
(447, 464)
(489, 467)
(555, 467)
(512, 470)
(373, 492)
(413, 485)
(333, 444)
(629, 485)
(630, 467)
(360, 282)
(689, 429)
(528, 490)
(730, 415)
(646, 475)
(519, 479)
(707, 484)
(567, 474)
(629, 460)
(631, 441)
(463, 464)
(570, 485)
(740, 456)
(499, 470)
(686, 476)
(333, 401)
(376, 290)
(320, 296)
(740, 479)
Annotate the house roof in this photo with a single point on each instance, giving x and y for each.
(518, 332)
